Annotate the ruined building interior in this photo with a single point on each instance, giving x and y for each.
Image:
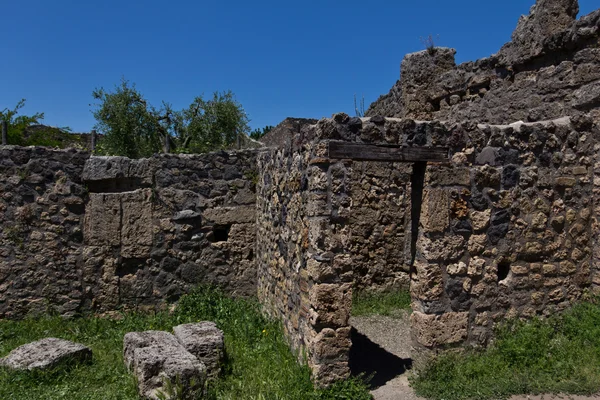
(472, 184)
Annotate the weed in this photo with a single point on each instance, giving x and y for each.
(258, 365)
(251, 175)
(429, 43)
(559, 354)
(386, 303)
(15, 234)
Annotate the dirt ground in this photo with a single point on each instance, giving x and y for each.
(385, 346)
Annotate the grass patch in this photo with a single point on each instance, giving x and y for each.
(557, 355)
(385, 303)
(259, 363)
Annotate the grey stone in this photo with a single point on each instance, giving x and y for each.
(46, 353)
(160, 362)
(205, 341)
(487, 156)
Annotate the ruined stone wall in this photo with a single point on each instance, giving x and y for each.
(304, 276)
(380, 225)
(157, 227)
(550, 69)
(42, 202)
(98, 234)
(505, 229)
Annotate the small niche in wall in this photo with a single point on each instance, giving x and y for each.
(503, 270)
(220, 233)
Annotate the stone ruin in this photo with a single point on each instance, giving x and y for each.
(476, 185)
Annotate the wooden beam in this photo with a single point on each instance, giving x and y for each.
(369, 152)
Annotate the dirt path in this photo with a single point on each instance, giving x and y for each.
(385, 344)
(393, 336)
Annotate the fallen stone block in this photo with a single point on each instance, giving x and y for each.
(205, 341)
(163, 367)
(46, 353)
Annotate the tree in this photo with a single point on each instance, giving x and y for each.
(26, 130)
(258, 133)
(130, 126)
(18, 124)
(134, 128)
(211, 124)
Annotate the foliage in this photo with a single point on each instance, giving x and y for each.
(257, 133)
(131, 126)
(210, 124)
(134, 128)
(385, 303)
(259, 364)
(25, 130)
(559, 354)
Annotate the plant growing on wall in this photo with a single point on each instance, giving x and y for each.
(134, 128)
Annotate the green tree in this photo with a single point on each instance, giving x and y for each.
(257, 133)
(17, 124)
(134, 128)
(213, 124)
(131, 126)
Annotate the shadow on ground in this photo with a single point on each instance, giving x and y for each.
(370, 359)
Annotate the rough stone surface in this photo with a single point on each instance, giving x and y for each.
(46, 353)
(480, 225)
(550, 69)
(159, 362)
(205, 341)
(439, 330)
(94, 234)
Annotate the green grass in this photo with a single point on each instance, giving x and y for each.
(385, 303)
(259, 363)
(556, 355)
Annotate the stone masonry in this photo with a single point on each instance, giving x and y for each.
(507, 227)
(100, 234)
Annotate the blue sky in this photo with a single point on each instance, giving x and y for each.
(301, 59)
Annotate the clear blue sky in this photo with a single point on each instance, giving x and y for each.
(281, 58)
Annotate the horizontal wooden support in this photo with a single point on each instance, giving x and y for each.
(369, 152)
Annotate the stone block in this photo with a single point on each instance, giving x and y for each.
(439, 330)
(159, 361)
(435, 211)
(102, 222)
(205, 341)
(46, 353)
(137, 224)
(230, 215)
(331, 304)
(331, 345)
(447, 248)
(480, 220)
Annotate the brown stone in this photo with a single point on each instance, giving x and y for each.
(435, 211)
(439, 330)
(480, 219)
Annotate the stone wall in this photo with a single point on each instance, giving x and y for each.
(305, 278)
(380, 225)
(42, 202)
(98, 234)
(550, 69)
(505, 230)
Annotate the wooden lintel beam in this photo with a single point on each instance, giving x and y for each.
(368, 152)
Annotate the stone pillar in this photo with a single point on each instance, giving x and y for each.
(329, 270)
